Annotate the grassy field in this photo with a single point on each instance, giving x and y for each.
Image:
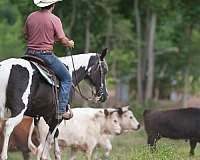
(132, 146)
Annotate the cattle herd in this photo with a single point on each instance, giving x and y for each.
(91, 128)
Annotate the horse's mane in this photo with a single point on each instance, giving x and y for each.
(80, 60)
(79, 55)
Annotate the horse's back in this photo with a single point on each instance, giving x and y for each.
(7, 65)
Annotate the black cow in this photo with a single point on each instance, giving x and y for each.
(175, 124)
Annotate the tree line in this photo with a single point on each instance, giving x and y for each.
(151, 43)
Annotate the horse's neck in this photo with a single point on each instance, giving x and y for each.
(78, 76)
(79, 63)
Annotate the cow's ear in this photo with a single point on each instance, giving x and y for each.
(106, 112)
(103, 54)
(125, 109)
(120, 111)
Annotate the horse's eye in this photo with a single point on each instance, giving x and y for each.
(115, 121)
(131, 117)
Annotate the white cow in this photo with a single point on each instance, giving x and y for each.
(126, 119)
(128, 123)
(82, 132)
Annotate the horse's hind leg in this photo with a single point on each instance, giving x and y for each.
(9, 126)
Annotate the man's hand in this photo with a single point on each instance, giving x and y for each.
(70, 44)
(65, 41)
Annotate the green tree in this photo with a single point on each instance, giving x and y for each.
(11, 43)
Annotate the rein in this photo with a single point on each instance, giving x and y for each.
(78, 91)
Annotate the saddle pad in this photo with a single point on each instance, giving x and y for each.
(45, 74)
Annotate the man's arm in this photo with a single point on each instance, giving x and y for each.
(60, 35)
(66, 42)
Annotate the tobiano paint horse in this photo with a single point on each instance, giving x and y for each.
(25, 92)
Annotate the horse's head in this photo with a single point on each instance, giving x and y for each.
(96, 75)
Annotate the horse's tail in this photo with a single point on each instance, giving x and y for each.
(31, 146)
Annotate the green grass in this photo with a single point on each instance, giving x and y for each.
(133, 146)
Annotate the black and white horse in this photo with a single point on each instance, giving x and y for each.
(25, 92)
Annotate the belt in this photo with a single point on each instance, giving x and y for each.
(39, 51)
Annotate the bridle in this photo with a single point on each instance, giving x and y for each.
(77, 89)
(100, 67)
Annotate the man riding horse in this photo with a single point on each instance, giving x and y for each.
(25, 92)
(42, 29)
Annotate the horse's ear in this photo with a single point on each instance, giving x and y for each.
(103, 54)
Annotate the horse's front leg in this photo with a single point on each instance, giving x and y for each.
(57, 150)
(40, 151)
(49, 140)
(9, 126)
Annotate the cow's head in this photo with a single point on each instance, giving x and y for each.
(112, 122)
(109, 121)
(127, 120)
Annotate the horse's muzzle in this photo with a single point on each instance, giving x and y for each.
(103, 98)
(102, 95)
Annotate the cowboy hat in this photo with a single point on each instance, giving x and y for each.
(44, 3)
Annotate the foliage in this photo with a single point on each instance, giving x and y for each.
(122, 59)
(176, 40)
(164, 152)
(10, 31)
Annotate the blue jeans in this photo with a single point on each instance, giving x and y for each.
(61, 72)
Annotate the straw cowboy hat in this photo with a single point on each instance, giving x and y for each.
(44, 3)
